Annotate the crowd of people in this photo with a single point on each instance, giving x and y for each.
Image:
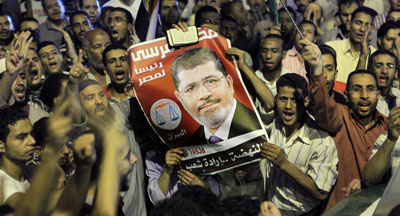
(75, 141)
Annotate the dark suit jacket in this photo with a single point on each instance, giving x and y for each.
(244, 121)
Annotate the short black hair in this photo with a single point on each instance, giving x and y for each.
(328, 50)
(228, 18)
(28, 19)
(44, 8)
(40, 132)
(348, 2)
(128, 15)
(9, 116)
(81, 3)
(381, 52)
(104, 10)
(192, 58)
(295, 81)
(76, 13)
(356, 72)
(365, 10)
(5, 13)
(45, 44)
(270, 36)
(110, 47)
(290, 9)
(51, 88)
(310, 23)
(201, 11)
(383, 30)
(391, 11)
(241, 205)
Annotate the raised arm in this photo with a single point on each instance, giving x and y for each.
(365, 50)
(323, 107)
(263, 92)
(379, 164)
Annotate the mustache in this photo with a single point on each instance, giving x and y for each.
(208, 100)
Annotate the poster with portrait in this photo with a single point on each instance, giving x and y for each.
(195, 99)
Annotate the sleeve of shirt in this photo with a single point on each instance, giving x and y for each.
(214, 186)
(323, 107)
(323, 164)
(153, 171)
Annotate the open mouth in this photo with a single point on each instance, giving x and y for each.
(287, 115)
(114, 34)
(383, 79)
(53, 64)
(364, 106)
(34, 74)
(120, 75)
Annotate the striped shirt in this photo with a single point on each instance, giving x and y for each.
(311, 150)
(292, 63)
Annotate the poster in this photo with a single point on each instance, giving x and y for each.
(195, 100)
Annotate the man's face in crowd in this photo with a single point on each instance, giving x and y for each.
(388, 42)
(239, 14)
(228, 30)
(395, 4)
(345, 14)
(359, 26)
(287, 26)
(51, 59)
(119, 26)
(33, 68)
(117, 66)
(214, 3)
(64, 156)
(94, 100)
(394, 16)
(98, 41)
(256, 4)
(205, 93)
(271, 53)
(80, 25)
(301, 5)
(91, 7)
(54, 10)
(308, 32)
(19, 144)
(362, 95)
(384, 68)
(169, 12)
(6, 27)
(290, 111)
(18, 88)
(210, 20)
(329, 70)
(29, 25)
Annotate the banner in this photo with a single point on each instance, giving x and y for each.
(195, 100)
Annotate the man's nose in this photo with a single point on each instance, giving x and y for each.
(203, 92)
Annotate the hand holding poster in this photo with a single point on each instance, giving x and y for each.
(194, 98)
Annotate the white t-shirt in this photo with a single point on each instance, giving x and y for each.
(11, 186)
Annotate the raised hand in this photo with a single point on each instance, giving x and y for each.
(128, 90)
(181, 26)
(78, 71)
(19, 50)
(365, 41)
(312, 55)
(394, 124)
(276, 30)
(60, 124)
(188, 178)
(70, 44)
(238, 54)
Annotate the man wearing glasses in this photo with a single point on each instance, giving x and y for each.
(355, 125)
(383, 65)
(206, 91)
(121, 27)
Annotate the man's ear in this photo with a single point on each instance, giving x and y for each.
(230, 80)
(306, 101)
(379, 40)
(85, 53)
(178, 96)
(130, 28)
(284, 54)
(105, 71)
(2, 146)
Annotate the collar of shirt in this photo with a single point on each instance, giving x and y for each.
(223, 130)
(347, 46)
(302, 134)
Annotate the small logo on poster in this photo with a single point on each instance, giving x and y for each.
(166, 114)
